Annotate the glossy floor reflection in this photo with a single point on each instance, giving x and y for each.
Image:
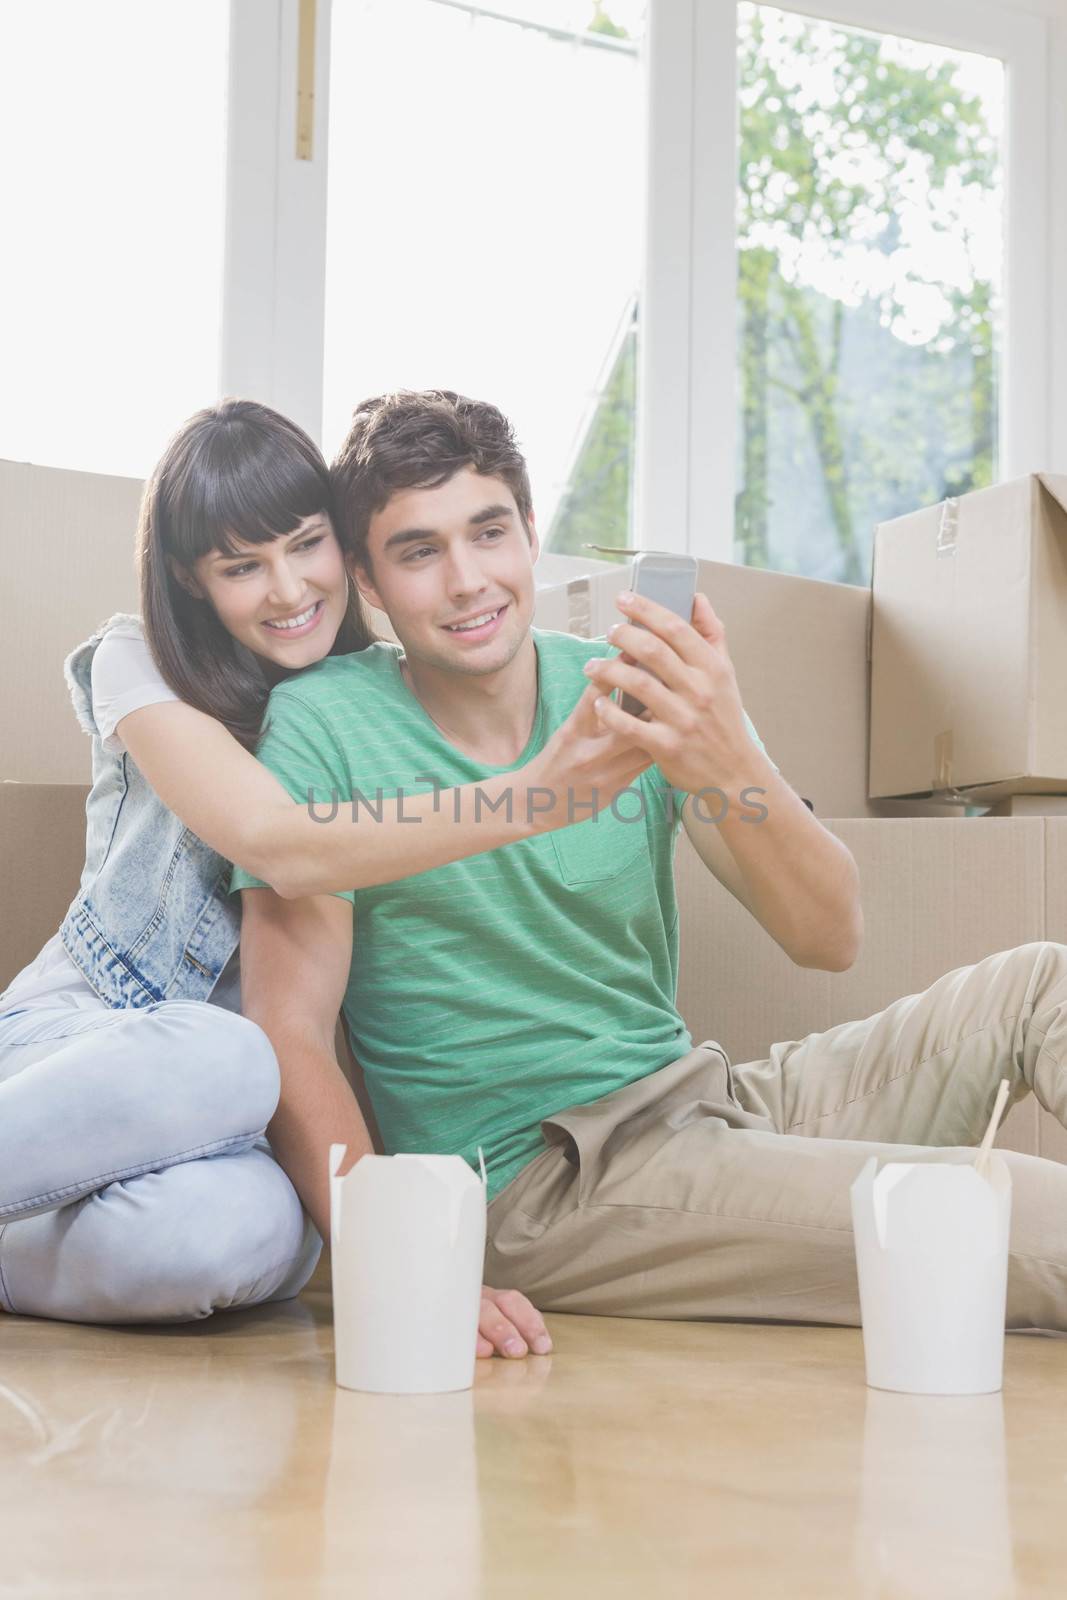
(662, 1459)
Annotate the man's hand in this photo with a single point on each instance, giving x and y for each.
(694, 726)
(582, 764)
(508, 1325)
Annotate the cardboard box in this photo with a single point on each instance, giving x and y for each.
(1030, 805)
(799, 647)
(74, 533)
(969, 645)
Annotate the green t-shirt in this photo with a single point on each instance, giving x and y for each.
(489, 993)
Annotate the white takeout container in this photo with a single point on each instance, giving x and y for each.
(932, 1258)
(407, 1248)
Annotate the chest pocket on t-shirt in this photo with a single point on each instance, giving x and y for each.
(599, 849)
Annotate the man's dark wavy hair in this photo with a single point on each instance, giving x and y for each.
(418, 440)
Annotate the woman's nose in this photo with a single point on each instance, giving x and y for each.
(287, 587)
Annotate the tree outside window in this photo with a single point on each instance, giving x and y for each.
(869, 242)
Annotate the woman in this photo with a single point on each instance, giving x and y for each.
(137, 1182)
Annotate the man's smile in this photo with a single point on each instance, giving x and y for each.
(480, 626)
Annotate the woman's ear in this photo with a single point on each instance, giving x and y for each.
(183, 576)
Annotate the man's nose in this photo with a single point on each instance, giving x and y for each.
(465, 576)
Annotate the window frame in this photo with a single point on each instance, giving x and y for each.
(687, 390)
(274, 268)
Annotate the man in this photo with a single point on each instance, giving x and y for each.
(521, 1002)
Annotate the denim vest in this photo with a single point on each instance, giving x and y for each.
(152, 919)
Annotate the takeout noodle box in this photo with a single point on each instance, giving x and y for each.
(968, 645)
(932, 1258)
(407, 1247)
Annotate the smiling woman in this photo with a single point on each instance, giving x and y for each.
(278, 594)
(238, 554)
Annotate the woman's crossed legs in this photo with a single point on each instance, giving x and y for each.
(136, 1181)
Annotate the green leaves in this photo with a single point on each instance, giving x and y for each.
(865, 166)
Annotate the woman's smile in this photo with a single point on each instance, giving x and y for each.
(299, 624)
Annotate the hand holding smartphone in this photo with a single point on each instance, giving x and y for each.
(672, 582)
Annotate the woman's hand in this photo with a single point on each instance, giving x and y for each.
(581, 766)
(508, 1325)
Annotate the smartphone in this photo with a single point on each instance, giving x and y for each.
(672, 582)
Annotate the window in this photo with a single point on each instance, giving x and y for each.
(596, 506)
(113, 127)
(484, 229)
(862, 324)
(869, 240)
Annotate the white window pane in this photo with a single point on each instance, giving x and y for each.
(869, 297)
(112, 123)
(484, 229)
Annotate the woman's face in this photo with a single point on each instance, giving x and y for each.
(285, 599)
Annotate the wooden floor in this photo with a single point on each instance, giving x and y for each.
(640, 1459)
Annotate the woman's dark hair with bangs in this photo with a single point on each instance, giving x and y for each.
(234, 471)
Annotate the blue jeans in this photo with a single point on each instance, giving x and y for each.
(136, 1181)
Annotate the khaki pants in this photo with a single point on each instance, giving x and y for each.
(715, 1191)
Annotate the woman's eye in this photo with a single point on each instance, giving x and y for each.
(239, 572)
(309, 544)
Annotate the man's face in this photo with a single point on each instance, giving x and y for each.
(440, 560)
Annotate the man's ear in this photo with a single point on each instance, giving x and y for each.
(535, 543)
(183, 576)
(361, 577)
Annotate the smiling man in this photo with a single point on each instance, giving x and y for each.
(453, 570)
(522, 1002)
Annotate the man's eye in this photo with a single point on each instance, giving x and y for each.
(496, 533)
(423, 550)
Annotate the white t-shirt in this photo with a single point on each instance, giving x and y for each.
(124, 679)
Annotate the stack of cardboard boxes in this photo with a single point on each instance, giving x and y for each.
(966, 667)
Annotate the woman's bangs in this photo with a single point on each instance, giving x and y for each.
(244, 504)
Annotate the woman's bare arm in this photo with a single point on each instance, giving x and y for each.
(228, 799)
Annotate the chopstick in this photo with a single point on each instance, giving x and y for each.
(981, 1160)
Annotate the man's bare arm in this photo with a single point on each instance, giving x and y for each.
(792, 874)
(795, 877)
(295, 956)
